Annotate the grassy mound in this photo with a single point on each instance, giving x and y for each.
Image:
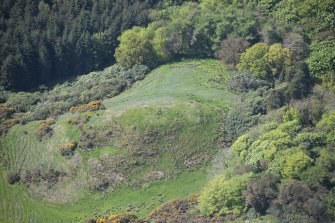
(150, 144)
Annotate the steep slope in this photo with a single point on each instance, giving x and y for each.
(161, 132)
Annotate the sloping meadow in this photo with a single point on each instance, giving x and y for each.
(163, 126)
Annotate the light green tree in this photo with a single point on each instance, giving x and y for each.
(254, 59)
(290, 163)
(265, 61)
(136, 48)
(224, 196)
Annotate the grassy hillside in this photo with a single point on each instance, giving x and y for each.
(160, 133)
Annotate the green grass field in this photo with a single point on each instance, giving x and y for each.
(174, 114)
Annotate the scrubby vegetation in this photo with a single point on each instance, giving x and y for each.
(82, 94)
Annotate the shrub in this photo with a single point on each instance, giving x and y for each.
(243, 82)
(69, 149)
(7, 124)
(297, 79)
(296, 43)
(181, 210)
(242, 143)
(329, 203)
(275, 98)
(231, 49)
(327, 126)
(121, 218)
(136, 48)
(101, 220)
(93, 86)
(44, 130)
(244, 114)
(91, 106)
(222, 196)
(13, 178)
(297, 203)
(254, 60)
(6, 113)
(261, 191)
(322, 173)
(309, 140)
(265, 61)
(290, 163)
(49, 177)
(321, 61)
(311, 109)
(291, 114)
(71, 145)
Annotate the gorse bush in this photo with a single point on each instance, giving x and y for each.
(91, 106)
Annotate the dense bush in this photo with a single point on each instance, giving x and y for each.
(265, 61)
(298, 203)
(261, 191)
(44, 129)
(69, 148)
(13, 178)
(321, 62)
(91, 106)
(241, 82)
(244, 114)
(136, 48)
(222, 196)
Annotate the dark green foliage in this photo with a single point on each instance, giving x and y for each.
(316, 18)
(47, 41)
(329, 203)
(321, 62)
(244, 114)
(261, 191)
(298, 81)
(243, 82)
(275, 98)
(13, 178)
(322, 173)
(49, 177)
(298, 203)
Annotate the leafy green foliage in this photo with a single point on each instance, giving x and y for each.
(321, 61)
(314, 17)
(254, 59)
(265, 61)
(224, 196)
(326, 124)
(290, 163)
(135, 48)
(242, 143)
